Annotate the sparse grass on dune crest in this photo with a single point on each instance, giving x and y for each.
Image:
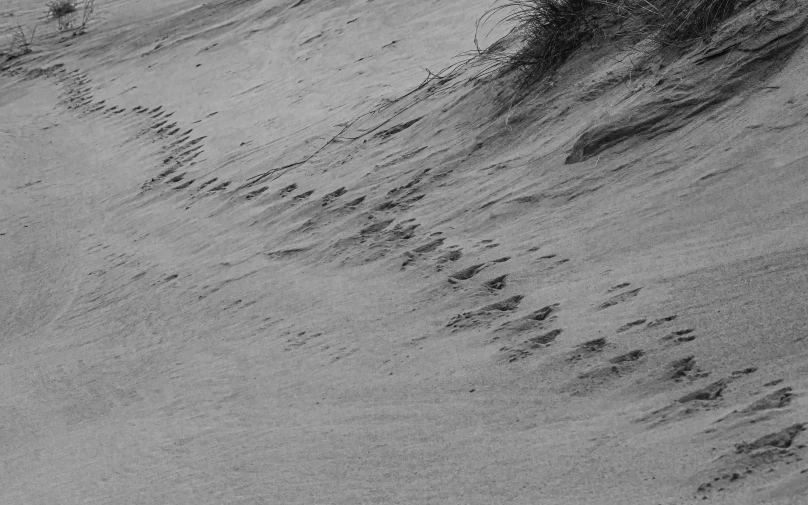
(550, 31)
(21, 41)
(66, 12)
(673, 22)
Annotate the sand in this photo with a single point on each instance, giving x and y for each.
(247, 259)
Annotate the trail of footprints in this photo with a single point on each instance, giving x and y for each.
(179, 151)
(764, 455)
(519, 337)
(178, 148)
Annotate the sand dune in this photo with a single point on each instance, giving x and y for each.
(251, 254)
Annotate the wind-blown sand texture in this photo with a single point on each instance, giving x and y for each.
(246, 259)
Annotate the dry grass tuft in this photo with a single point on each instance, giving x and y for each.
(550, 31)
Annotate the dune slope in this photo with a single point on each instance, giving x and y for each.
(253, 253)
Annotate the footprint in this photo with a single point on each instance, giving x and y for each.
(630, 325)
(774, 400)
(496, 283)
(207, 183)
(506, 305)
(468, 273)
(627, 357)
(770, 452)
(354, 203)
(588, 349)
(704, 398)
(255, 193)
(663, 320)
(288, 189)
(376, 227)
(593, 345)
(220, 187)
(710, 392)
(681, 368)
(333, 195)
(532, 321)
(543, 340)
(485, 314)
(303, 196)
(451, 256)
(679, 336)
(525, 349)
(618, 286)
(431, 246)
(622, 297)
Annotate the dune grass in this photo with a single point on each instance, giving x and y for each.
(66, 13)
(550, 31)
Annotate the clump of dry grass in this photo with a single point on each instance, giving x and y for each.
(685, 20)
(550, 31)
(21, 41)
(63, 11)
(66, 13)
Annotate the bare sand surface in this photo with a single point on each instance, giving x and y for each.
(245, 258)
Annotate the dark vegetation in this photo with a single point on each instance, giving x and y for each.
(66, 13)
(21, 41)
(59, 9)
(550, 31)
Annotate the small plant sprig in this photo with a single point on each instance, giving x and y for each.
(21, 42)
(87, 11)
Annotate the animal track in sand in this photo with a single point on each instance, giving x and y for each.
(154, 124)
(684, 368)
(207, 183)
(620, 298)
(453, 255)
(588, 349)
(679, 336)
(183, 185)
(485, 314)
(778, 399)
(769, 453)
(536, 320)
(300, 339)
(660, 321)
(468, 272)
(303, 196)
(288, 189)
(627, 357)
(255, 193)
(384, 134)
(219, 187)
(710, 392)
(403, 231)
(375, 227)
(630, 325)
(496, 283)
(530, 345)
(412, 185)
(601, 375)
(702, 399)
(616, 287)
(429, 247)
(330, 197)
(286, 253)
(354, 203)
